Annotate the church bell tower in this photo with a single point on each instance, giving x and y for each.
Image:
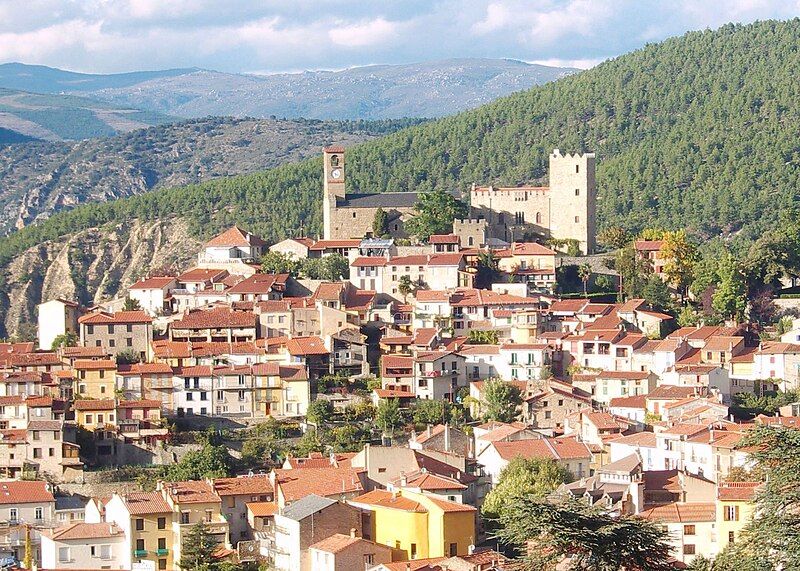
(333, 186)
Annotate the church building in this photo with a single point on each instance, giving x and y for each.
(563, 210)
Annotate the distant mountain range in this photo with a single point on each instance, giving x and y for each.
(431, 89)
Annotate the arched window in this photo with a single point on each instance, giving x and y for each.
(334, 160)
(538, 217)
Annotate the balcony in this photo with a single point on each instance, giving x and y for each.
(162, 552)
(437, 374)
(140, 553)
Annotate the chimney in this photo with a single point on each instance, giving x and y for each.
(353, 532)
(447, 437)
(428, 431)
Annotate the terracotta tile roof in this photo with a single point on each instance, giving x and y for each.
(13, 436)
(556, 448)
(153, 283)
(737, 491)
(301, 346)
(500, 431)
(329, 481)
(393, 394)
(217, 318)
(194, 371)
(102, 318)
(329, 291)
(172, 349)
(255, 485)
(140, 403)
(774, 348)
(45, 425)
(648, 245)
(77, 531)
(638, 401)
(141, 503)
(198, 275)
(23, 347)
(568, 305)
(83, 352)
(11, 400)
(368, 262)
(359, 299)
(682, 512)
(338, 542)
(656, 314)
(448, 506)
(293, 373)
(603, 420)
(480, 350)
(262, 509)
(671, 392)
(483, 297)
(94, 364)
(443, 239)
(24, 492)
(430, 564)
(428, 481)
(432, 295)
(386, 499)
(395, 362)
(191, 492)
(90, 404)
(40, 359)
(624, 375)
(723, 343)
(319, 460)
(397, 340)
(151, 369)
(235, 237)
(423, 336)
(449, 259)
(261, 284)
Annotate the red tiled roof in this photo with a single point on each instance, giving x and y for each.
(368, 262)
(102, 318)
(638, 401)
(386, 499)
(443, 239)
(217, 318)
(141, 503)
(140, 403)
(648, 245)
(737, 491)
(393, 394)
(312, 345)
(77, 531)
(338, 542)
(90, 404)
(325, 482)
(94, 364)
(24, 492)
(153, 283)
(682, 512)
(172, 349)
(325, 244)
(235, 237)
(262, 509)
(254, 485)
(432, 295)
(260, 284)
(83, 352)
(191, 492)
(198, 275)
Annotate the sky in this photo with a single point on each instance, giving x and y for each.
(267, 36)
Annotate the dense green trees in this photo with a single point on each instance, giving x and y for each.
(197, 551)
(501, 399)
(434, 214)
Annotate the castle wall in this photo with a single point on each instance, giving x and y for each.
(357, 222)
(573, 198)
(471, 233)
(513, 213)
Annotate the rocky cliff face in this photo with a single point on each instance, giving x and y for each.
(90, 266)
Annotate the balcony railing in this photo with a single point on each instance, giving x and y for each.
(140, 553)
(162, 552)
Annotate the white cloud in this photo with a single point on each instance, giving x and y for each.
(578, 63)
(363, 34)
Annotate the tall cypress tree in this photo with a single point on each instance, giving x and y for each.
(197, 551)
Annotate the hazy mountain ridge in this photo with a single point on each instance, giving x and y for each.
(40, 178)
(431, 89)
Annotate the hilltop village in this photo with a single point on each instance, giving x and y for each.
(383, 401)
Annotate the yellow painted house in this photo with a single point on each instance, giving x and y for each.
(147, 519)
(95, 378)
(418, 526)
(734, 509)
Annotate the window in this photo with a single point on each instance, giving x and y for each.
(688, 549)
(209, 515)
(354, 214)
(413, 551)
(731, 536)
(203, 395)
(577, 192)
(63, 554)
(99, 419)
(189, 396)
(37, 452)
(688, 530)
(103, 373)
(129, 342)
(88, 419)
(51, 452)
(369, 559)
(129, 328)
(162, 523)
(577, 169)
(184, 517)
(36, 435)
(577, 219)
(139, 524)
(470, 241)
(162, 564)
(111, 343)
(731, 513)
(453, 549)
(38, 513)
(162, 542)
(13, 514)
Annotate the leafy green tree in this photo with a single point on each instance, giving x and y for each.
(347, 438)
(405, 286)
(131, 304)
(380, 224)
(613, 238)
(730, 297)
(128, 357)
(522, 478)
(688, 317)
(633, 270)
(483, 337)
(388, 416)
(585, 274)
(681, 256)
(549, 531)
(197, 550)
(279, 263)
(68, 339)
(501, 400)
(431, 411)
(211, 461)
(656, 293)
(435, 213)
(772, 536)
(335, 267)
(320, 412)
(259, 450)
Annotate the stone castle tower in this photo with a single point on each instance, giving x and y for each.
(573, 198)
(333, 187)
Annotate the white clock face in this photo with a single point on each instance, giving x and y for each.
(336, 173)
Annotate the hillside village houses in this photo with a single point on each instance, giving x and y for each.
(636, 409)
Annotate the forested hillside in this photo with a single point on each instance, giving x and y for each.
(699, 131)
(39, 178)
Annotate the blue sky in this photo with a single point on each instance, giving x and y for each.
(292, 35)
